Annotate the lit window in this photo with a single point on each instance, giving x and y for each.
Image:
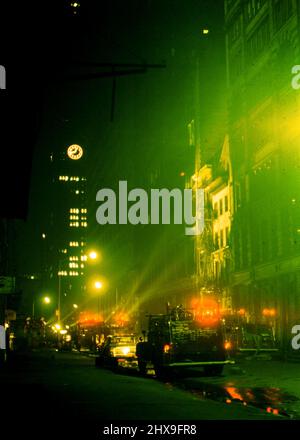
(227, 236)
(226, 204)
(83, 258)
(77, 191)
(221, 238)
(221, 207)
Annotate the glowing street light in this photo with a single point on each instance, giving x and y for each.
(93, 255)
(75, 306)
(47, 300)
(98, 284)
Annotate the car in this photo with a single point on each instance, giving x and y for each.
(117, 351)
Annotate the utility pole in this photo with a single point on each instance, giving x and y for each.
(59, 296)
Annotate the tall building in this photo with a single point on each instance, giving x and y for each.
(262, 46)
(68, 225)
(213, 253)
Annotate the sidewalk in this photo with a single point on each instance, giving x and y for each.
(261, 378)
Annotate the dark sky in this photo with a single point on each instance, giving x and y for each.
(148, 135)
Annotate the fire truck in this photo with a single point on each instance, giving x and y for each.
(181, 339)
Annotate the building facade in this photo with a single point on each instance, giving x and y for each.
(68, 227)
(262, 46)
(213, 254)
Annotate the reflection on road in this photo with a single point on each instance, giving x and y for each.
(271, 400)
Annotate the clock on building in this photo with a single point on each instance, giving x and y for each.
(75, 152)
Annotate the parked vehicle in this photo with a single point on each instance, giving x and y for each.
(180, 339)
(116, 351)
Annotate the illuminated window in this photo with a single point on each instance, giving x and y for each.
(82, 265)
(221, 207)
(216, 240)
(77, 191)
(226, 203)
(74, 243)
(83, 258)
(73, 258)
(227, 236)
(215, 210)
(84, 211)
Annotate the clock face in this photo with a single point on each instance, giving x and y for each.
(75, 152)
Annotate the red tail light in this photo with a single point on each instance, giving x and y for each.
(167, 348)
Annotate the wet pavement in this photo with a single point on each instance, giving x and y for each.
(270, 385)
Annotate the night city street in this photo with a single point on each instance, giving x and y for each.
(149, 218)
(71, 383)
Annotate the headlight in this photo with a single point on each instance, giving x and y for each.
(125, 350)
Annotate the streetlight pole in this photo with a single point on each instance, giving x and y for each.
(59, 296)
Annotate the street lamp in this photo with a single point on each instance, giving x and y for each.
(93, 255)
(46, 300)
(98, 285)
